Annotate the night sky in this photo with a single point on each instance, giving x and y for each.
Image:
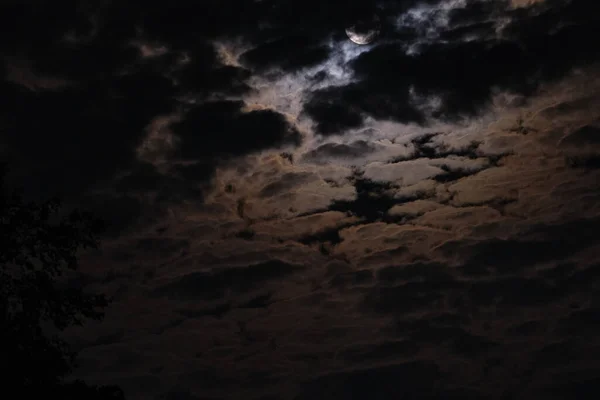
(293, 216)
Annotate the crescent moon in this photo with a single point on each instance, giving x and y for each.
(362, 38)
(365, 30)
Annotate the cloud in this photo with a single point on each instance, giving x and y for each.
(354, 278)
(214, 285)
(413, 216)
(85, 133)
(286, 183)
(118, 212)
(379, 351)
(586, 138)
(388, 75)
(378, 382)
(416, 271)
(537, 246)
(202, 72)
(303, 228)
(408, 298)
(228, 131)
(288, 53)
(332, 114)
(582, 321)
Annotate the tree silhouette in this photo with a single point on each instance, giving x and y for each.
(39, 243)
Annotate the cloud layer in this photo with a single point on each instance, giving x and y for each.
(294, 216)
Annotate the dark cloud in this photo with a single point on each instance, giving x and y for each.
(118, 212)
(521, 292)
(341, 108)
(162, 247)
(392, 349)
(286, 183)
(325, 19)
(360, 277)
(73, 40)
(197, 171)
(470, 345)
(387, 75)
(584, 162)
(22, 18)
(262, 301)
(558, 110)
(246, 234)
(217, 311)
(143, 177)
(327, 151)
(332, 113)
(418, 378)
(588, 135)
(84, 134)
(167, 188)
(187, 22)
(585, 277)
(221, 129)
(414, 272)
(88, 131)
(409, 298)
(288, 53)
(225, 80)
(574, 385)
(426, 146)
(373, 199)
(213, 285)
(182, 395)
(581, 322)
(110, 338)
(528, 328)
(331, 235)
(203, 75)
(450, 319)
(543, 243)
(555, 354)
(454, 174)
(416, 288)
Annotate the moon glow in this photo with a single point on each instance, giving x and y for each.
(364, 32)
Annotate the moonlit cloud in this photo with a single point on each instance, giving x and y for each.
(429, 19)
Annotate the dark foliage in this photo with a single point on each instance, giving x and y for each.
(39, 244)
